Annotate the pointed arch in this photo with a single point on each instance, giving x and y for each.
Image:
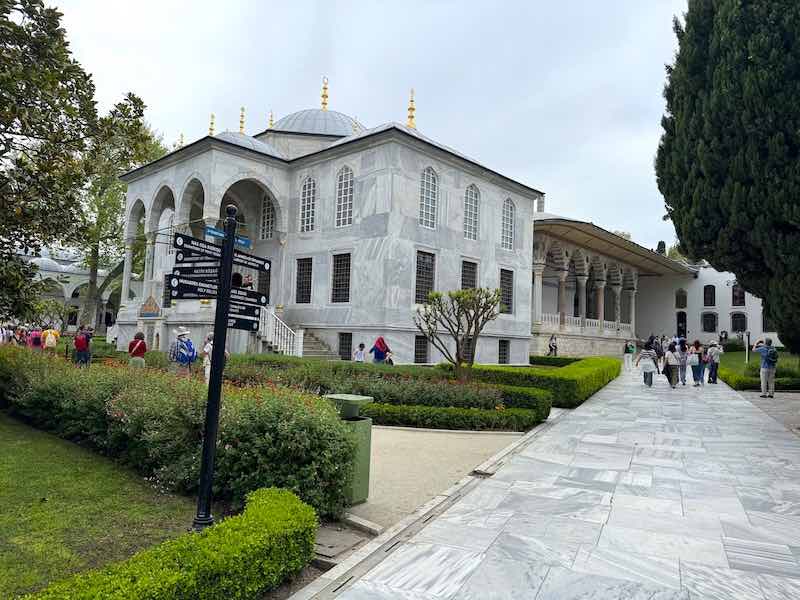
(472, 212)
(428, 198)
(344, 197)
(308, 202)
(507, 224)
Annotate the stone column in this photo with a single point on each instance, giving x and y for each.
(600, 300)
(617, 289)
(538, 271)
(632, 309)
(126, 276)
(580, 281)
(562, 298)
(149, 259)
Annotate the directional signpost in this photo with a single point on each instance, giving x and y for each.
(202, 272)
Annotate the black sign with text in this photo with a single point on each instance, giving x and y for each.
(242, 324)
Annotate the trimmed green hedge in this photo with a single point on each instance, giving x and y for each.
(511, 419)
(570, 385)
(240, 558)
(152, 421)
(552, 361)
(526, 397)
(747, 382)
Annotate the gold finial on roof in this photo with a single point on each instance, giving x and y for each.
(271, 120)
(211, 125)
(241, 120)
(324, 93)
(180, 141)
(412, 123)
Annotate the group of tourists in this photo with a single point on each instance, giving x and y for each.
(45, 339)
(672, 358)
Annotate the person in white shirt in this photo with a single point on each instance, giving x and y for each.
(208, 348)
(359, 353)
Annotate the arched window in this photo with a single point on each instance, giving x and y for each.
(709, 295)
(507, 225)
(428, 198)
(737, 295)
(344, 197)
(709, 322)
(738, 322)
(472, 198)
(308, 200)
(267, 224)
(680, 299)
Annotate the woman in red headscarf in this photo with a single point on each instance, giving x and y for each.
(379, 350)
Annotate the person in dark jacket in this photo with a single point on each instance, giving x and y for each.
(379, 350)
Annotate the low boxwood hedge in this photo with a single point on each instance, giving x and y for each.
(242, 557)
(152, 421)
(748, 382)
(552, 361)
(526, 397)
(570, 385)
(476, 419)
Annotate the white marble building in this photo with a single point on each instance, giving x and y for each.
(360, 223)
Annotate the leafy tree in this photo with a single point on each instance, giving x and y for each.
(622, 234)
(126, 142)
(727, 163)
(675, 252)
(461, 315)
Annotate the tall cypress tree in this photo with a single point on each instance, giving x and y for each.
(728, 164)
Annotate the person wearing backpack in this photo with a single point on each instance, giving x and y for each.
(769, 363)
(182, 352)
(81, 345)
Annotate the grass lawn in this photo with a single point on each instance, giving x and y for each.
(64, 509)
(735, 361)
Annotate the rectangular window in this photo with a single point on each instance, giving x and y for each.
(340, 281)
(506, 291)
(709, 322)
(469, 275)
(426, 268)
(345, 346)
(421, 350)
(737, 295)
(303, 289)
(264, 283)
(503, 351)
(469, 352)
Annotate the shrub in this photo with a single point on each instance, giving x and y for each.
(552, 361)
(526, 397)
(733, 346)
(242, 557)
(570, 385)
(512, 419)
(748, 382)
(155, 359)
(753, 369)
(152, 421)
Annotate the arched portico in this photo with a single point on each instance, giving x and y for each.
(134, 226)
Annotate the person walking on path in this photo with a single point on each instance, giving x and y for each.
(672, 364)
(695, 361)
(35, 339)
(379, 350)
(552, 346)
(627, 354)
(769, 364)
(650, 364)
(19, 338)
(50, 339)
(208, 349)
(81, 346)
(714, 356)
(360, 353)
(136, 350)
(659, 350)
(182, 352)
(683, 355)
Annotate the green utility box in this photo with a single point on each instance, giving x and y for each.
(361, 427)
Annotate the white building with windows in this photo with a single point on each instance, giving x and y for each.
(360, 224)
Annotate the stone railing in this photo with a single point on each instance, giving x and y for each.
(551, 320)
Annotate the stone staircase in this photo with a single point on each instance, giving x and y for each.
(313, 347)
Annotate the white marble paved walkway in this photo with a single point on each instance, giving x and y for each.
(639, 493)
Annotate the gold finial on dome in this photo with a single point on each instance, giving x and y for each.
(412, 123)
(271, 123)
(211, 125)
(241, 120)
(180, 141)
(324, 93)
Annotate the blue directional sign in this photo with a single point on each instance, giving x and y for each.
(243, 242)
(214, 232)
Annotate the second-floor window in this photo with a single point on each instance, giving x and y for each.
(308, 201)
(472, 199)
(344, 197)
(428, 198)
(737, 295)
(507, 225)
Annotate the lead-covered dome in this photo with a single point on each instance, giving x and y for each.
(320, 122)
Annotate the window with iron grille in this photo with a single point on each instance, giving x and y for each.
(469, 352)
(344, 197)
(680, 299)
(267, 224)
(469, 275)
(428, 198)
(303, 289)
(506, 291)
(472, 199)
(421, 350)
(264, 283)
(709, 295)
(345, 346)
(737, 295)
(503, 351)
(507, 233)
(738, 322)
(340, 281)
(308, 200)
(709, 322)
(426, 268)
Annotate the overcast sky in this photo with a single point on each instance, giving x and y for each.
(563, 96)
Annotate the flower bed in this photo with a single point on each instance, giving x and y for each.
(152, 421)
(242, 557)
